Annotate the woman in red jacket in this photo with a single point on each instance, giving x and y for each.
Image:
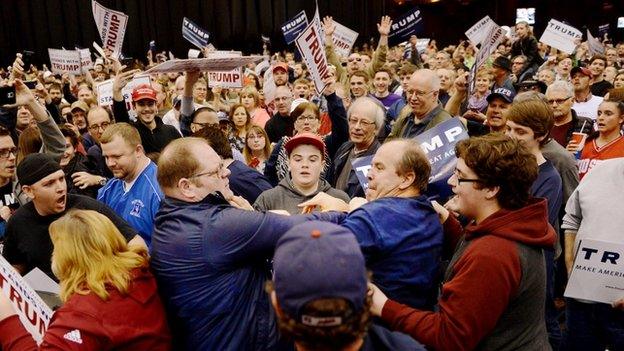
(110, 297)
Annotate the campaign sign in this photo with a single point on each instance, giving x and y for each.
(225, 79)
(310, 45)
(33, 312)
(195, 34)
(479, 31)
(65, 61)
(595, 46)
(560, 36)
(603, 29)
(85, 59)
(105, 91)
(405, 26)
(598, 272)
(343, 39)
(203, 64)
(438, 143)
(111, 25)
(294, 26)
(494, 37)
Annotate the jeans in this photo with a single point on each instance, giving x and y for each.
(593, 326)
(552, 322)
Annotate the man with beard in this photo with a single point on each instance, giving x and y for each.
(28, 244)
(280, 74)
(155, 135)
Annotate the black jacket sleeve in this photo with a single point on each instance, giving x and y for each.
(120, 112)
(340, 126)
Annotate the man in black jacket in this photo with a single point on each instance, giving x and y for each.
(155, 135)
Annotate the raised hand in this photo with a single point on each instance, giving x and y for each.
(384, 26)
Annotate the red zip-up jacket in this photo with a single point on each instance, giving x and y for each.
(494, 291)
(135, 321)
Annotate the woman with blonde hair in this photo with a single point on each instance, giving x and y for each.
(110, 297)
(257, 148)
(250, 98)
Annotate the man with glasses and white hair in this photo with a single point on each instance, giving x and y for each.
(560, 97)
(424, 111)
(366, 117)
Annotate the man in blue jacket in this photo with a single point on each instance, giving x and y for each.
(398, 230)
(210, 257)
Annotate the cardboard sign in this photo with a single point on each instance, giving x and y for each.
(403, 28)
(479, 31)
(494, 37)
(560, 36)
(595, 46)
(111, 25)
(203, 64)
(310, 45)
(603, 29)
(269, 87)
(438, 144)
(226, 79)
(65, 61)
(195, 34)
(85, 59)
(192, 53)
(598, 272)
(105, 91)
(343, 39)
(34, 314)
(294, 26)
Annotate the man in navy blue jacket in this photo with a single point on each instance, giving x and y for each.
(210, 257)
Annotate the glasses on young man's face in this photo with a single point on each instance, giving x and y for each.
(103, 126)
(464, 180)
(6, 153)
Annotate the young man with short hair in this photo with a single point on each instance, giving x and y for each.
(494, 288)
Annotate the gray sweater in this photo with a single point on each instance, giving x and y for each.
(285, 197)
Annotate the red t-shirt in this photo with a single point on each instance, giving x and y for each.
(592, 154)
(560, 133)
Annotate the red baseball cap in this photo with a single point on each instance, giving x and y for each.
(305, 139)
(280, 65)
(582, 70)
(143, 92)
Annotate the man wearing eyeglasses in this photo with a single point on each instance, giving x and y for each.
(155, 135)
(210, 257)
(560, 96)
(425, 111)
(493, 292)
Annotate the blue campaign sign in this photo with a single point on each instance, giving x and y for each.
(195, 34)
(405, 26)
(294, 26)
(438, 143)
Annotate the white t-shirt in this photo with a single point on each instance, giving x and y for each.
(588, 108)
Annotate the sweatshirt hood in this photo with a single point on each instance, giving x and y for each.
(528, 225)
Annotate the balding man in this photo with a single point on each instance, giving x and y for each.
(281, 124)
(366, 118)
(210, 257)
(424, 110)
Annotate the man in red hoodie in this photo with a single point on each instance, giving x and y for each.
(493, 293)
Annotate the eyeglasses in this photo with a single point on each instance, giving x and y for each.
(204, 125)
(419, 94)
(364, 123)
(209, 173)
(102, 126)
(6, 153)
(464, 180)
(558, 101)
(306, 118)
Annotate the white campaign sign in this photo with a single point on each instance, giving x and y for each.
(85, 60)
(598, 272)
(226, 79)
(595, 46)
(343, 39)
(479, 31)
(203, 64)
(111, 25)
(105, 91)
(560, 36)
(33, 312)
(310, 44)
(65, 61)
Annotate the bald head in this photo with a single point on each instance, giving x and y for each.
(422, 93)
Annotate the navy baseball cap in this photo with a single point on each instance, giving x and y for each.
(502, 93)
(318, 260)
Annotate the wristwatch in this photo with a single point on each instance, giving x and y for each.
(102, 181)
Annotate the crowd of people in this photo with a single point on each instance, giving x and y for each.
(204, 218)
